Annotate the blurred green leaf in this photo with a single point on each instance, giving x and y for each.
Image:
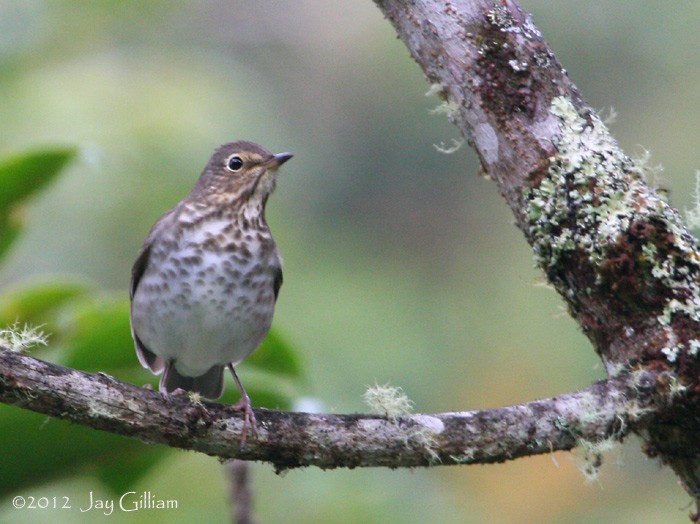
(96, 337)
(23, 174)
(268, 397)
(40, 302)
(135, 459)
(264, 389)
(42, 448)
(9, 230)
(99, 337)
(276, 355)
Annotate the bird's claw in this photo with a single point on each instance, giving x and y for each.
(248, 419)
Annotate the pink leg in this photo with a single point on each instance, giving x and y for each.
(244, 405)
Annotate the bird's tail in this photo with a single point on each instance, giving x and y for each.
(210, 385)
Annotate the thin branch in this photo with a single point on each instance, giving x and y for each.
(240, 494)
(289, 440)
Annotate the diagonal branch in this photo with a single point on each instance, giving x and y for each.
(288, 440)
(615, 250)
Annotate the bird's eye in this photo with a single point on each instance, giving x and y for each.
(235, 163)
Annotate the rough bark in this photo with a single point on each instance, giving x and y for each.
(608, 409)
(240, 493)
(617, 253)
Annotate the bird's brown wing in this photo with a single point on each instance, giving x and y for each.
(277, 282)
(147, 358)
(139, 267)
(144, 253)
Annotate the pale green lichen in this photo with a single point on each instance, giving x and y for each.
(692, 215)
(20, 339)
(694, 347)
(436, 90)
(586, 152)
(651, 173)
(448, 150)
(586, 205)
(448, 108)
(589, 453)
(671, 353)
(676, 388)
(425, 439)
(195, 398)
(589, 456)
(502, 18)
(466, 457)
(445, 108)
(608, 117)
(388, 400)
(392, 402)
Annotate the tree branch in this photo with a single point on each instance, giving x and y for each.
(617, 253)
(289, 440)
(240, 491)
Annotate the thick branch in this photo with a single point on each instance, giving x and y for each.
(289, 440)
(617, 253)
(576, 196)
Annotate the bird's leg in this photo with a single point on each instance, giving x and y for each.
(245, 406)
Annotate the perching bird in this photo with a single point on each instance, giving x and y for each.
(205, 282)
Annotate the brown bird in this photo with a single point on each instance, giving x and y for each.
(205, 282)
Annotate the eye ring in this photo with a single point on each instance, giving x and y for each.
(235, 163)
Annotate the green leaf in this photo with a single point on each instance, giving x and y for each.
(268, 397)
(99, 337)
(277, 356)
(9, 230)
(40, 302)
(135, 459)
(266, 390)
(43, 449)
(23, 174)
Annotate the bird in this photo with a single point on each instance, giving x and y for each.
(206, 280)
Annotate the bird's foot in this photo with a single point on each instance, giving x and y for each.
(179, 392)
(249, 421)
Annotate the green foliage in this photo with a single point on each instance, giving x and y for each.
(20, 177)
(42, 449)
(40, 303)
(98, 335)
(24, 174)
(277, 356)
(89, 330)
(9, 230)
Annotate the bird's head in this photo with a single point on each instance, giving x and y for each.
(241, 173)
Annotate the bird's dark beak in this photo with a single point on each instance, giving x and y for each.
(281, 158)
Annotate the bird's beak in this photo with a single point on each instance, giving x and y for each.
(280, 159)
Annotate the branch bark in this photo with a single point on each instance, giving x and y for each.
(607, 409)
(240, 493)
(618, 254)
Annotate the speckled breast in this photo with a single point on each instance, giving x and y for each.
(207, 296)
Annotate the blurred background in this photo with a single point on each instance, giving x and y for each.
(401, 264)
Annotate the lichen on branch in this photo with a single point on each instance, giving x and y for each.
(594, 210)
